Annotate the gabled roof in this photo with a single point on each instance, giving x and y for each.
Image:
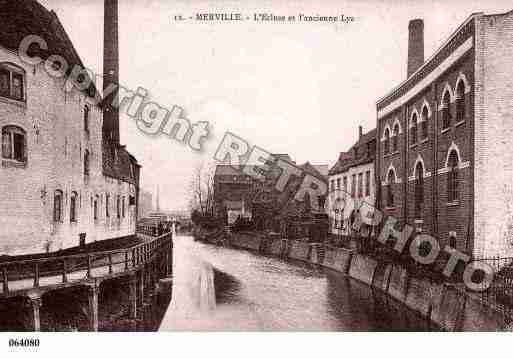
(20, 18)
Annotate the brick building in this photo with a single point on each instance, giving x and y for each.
(352, 177)
(241, 194)
(61, 174)
(444, 161)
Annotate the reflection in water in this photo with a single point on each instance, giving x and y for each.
(217, 288)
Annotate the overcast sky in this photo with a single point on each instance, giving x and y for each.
(297, 88)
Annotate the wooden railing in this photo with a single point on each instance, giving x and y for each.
(54, 271)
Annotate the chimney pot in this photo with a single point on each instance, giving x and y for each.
(360, 132)
(415, 45)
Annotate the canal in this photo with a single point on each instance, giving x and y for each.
(217, 288)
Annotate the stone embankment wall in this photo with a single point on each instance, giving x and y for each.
(445, 306)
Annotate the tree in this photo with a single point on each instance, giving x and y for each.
(202, 190)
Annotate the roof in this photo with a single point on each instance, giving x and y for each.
(347, 159)
(119, 163)
(312, 170)
(226, 170)
(21, 18)
(456, 39)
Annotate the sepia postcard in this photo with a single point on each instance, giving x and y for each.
(255, 166)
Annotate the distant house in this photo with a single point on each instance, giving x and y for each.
(243, 195)
(351, 184)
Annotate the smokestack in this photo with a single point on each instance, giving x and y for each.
(415, 45)
(360, 132)
(110, 68)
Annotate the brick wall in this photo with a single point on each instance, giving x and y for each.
(493, 133)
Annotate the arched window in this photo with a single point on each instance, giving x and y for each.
(460, 101)
(73, 207)
(446, 110)
(452, 177)
(395, 138)
(12, 82)
(419, 189)
(390, 189)
(413, 129)
(424, 126)
(14, 143)
(57, 206)
(86, 163)
(387, 141)
(86, 118)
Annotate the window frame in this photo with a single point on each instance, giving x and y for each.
(11, 131)
(73, 212)
(461, 107)
(58, 199)
(413, 129)
(419, 190)
(390, 190)
(446, 110)
(14, 70)
(452, 177)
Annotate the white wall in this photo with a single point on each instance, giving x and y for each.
(56, 141)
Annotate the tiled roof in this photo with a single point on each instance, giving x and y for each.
(20, 18)
(347, 159)
(119, 163)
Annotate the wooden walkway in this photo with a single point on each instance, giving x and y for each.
(143, 263)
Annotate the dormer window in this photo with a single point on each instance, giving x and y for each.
(12, 82)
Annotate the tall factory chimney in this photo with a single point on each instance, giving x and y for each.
(415, 45)
(110, 69)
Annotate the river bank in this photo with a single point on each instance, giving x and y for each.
(443, 304)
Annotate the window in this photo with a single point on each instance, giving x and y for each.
(107, 203)
(14, 143)
(95, 207)
(353, 186)
(387, 141)
(390, 189)
(338, 183)
(57, 206)
(419, 189)
(345, 183)
(86, 163)
(86, 118)
(395, 138)
(73, 207)
(332, 185)
(118, 205)
(460, 102)
(424, 125)
(12, 80)
(446, 110)
(452, 177)
(367, 183)
(413, 129)
(452, 240)
(360, 185)
(123, 207)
